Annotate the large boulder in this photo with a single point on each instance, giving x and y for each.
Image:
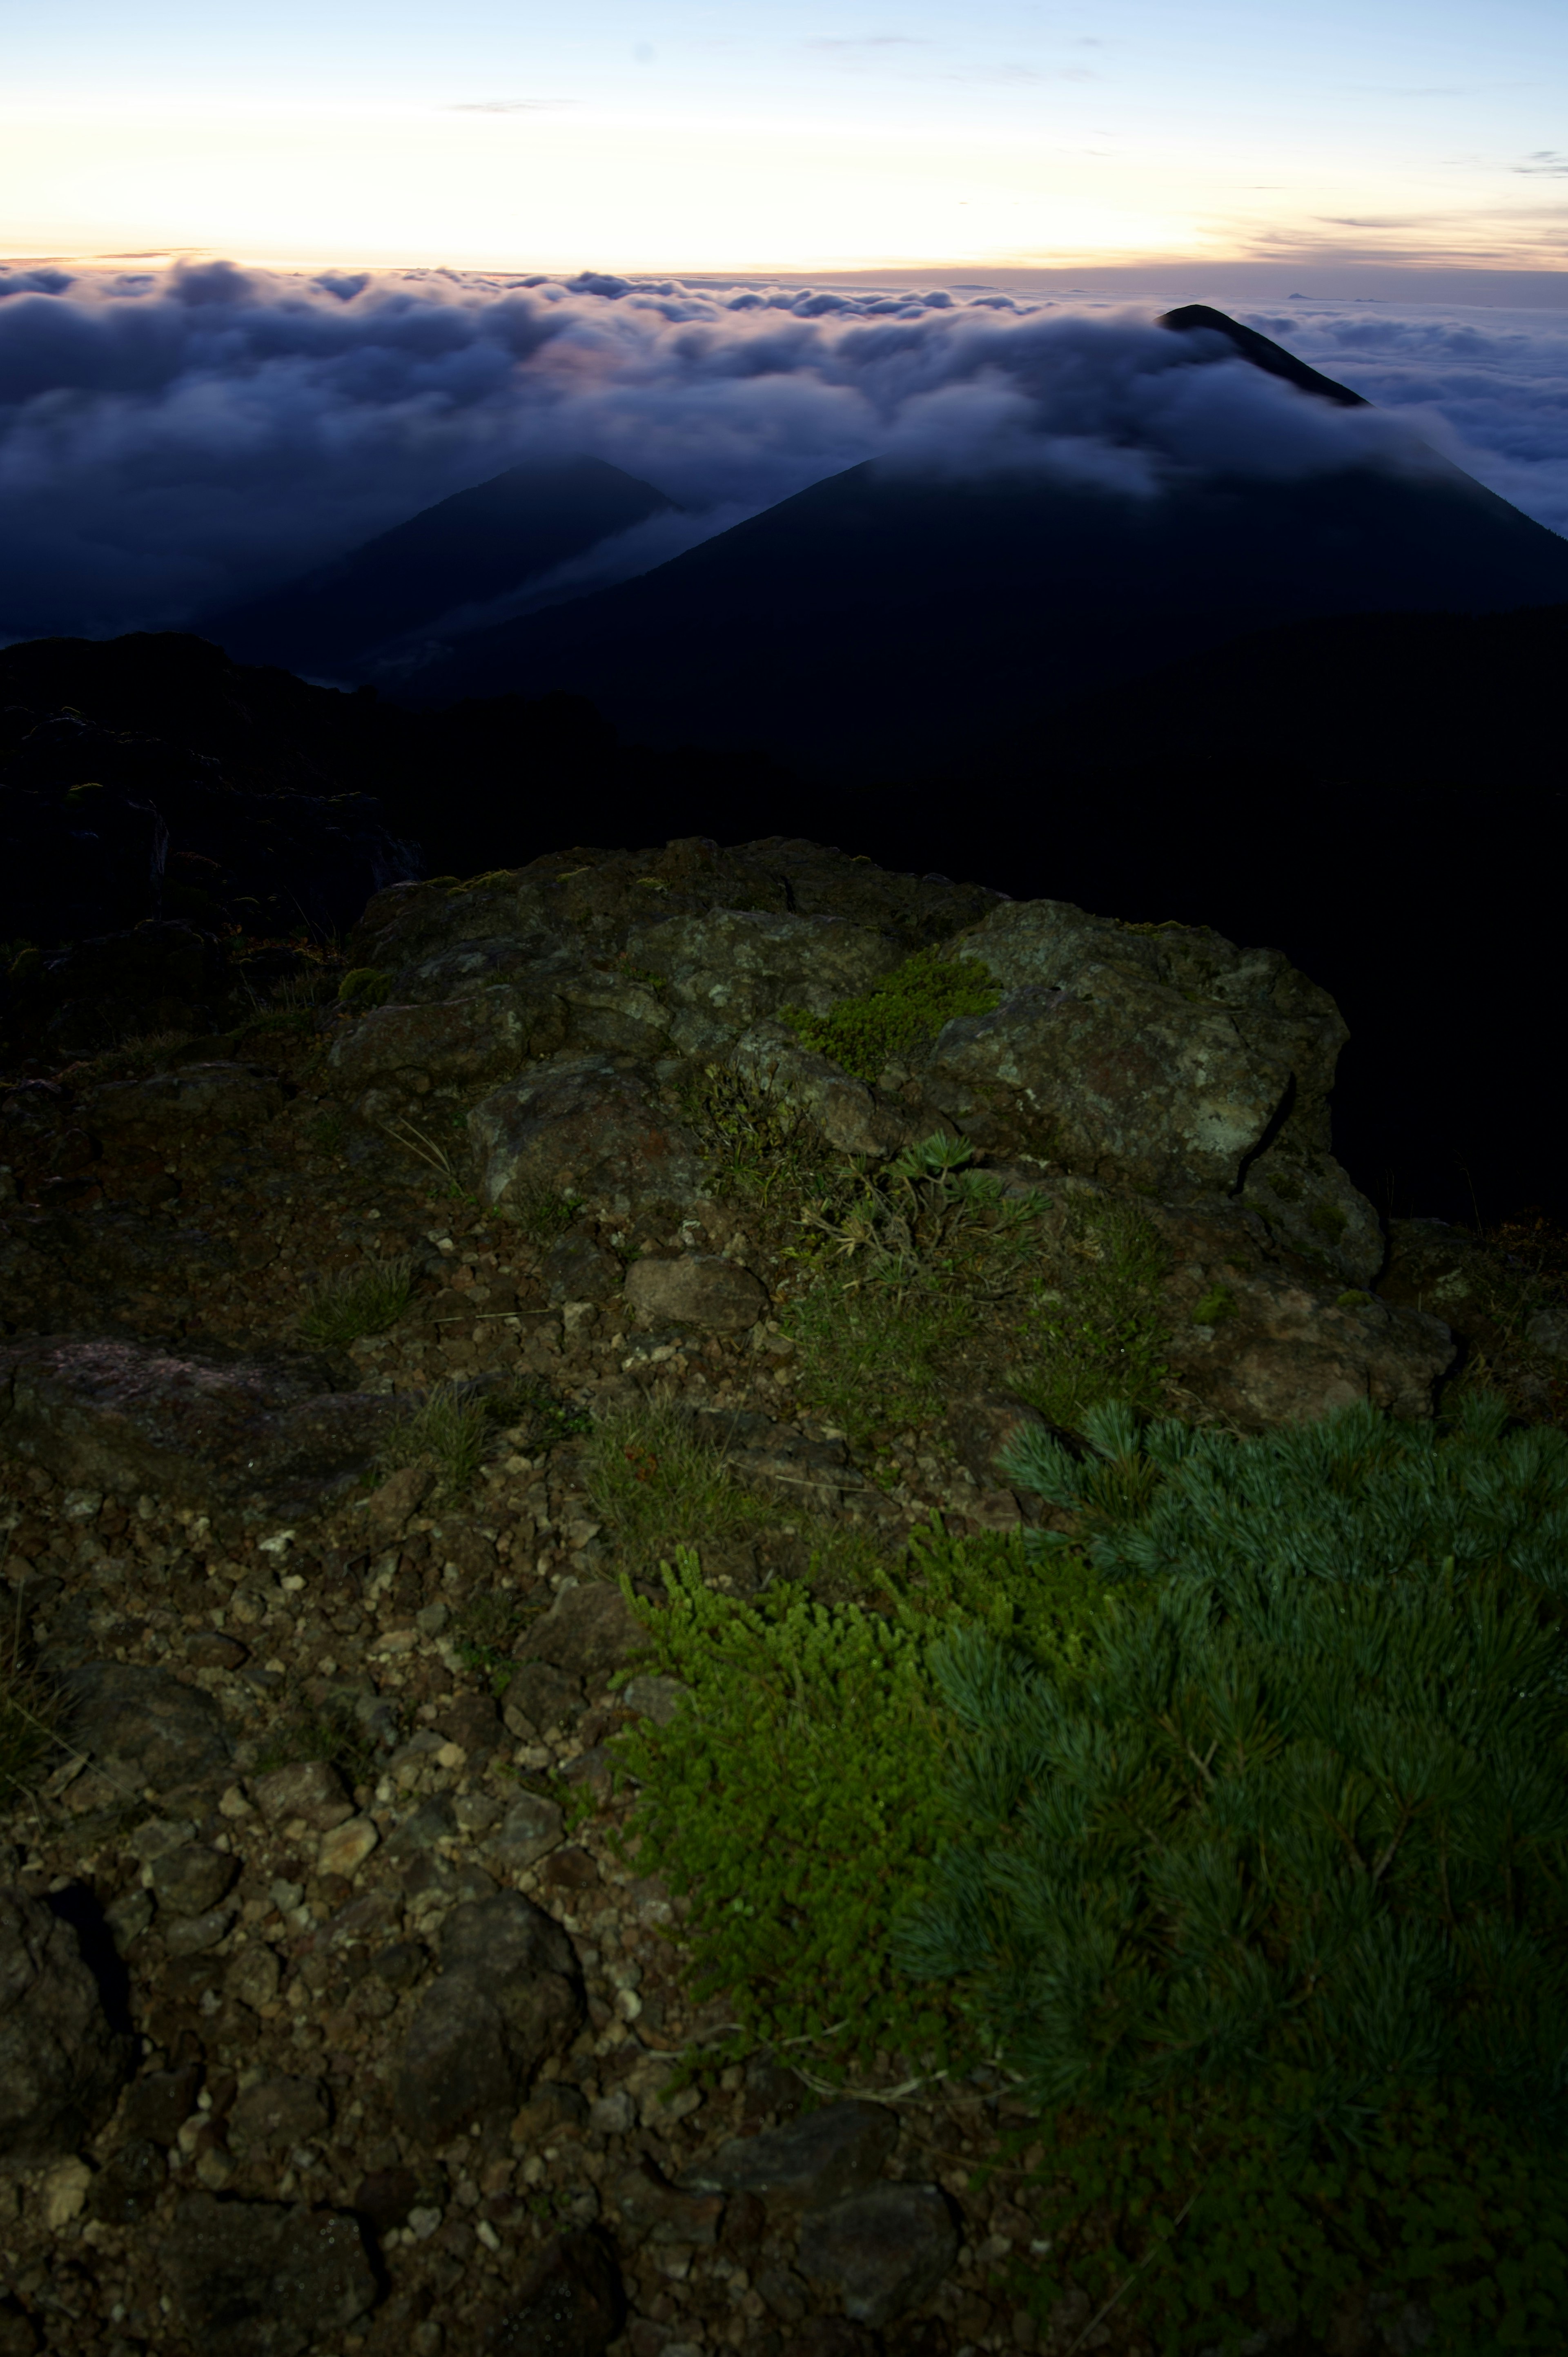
(262, 1440)
(63, 2062)
(143, 1729)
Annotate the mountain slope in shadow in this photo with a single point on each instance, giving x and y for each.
(884, 622)
(478, 545)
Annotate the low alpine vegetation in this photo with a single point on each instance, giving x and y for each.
(902, 1011)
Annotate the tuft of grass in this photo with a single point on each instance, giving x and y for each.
(906, 1008)
(660, 1483)
(449, 1430)
(755, 1143)
(1099, 1336)
(358, 1302)
(32, 1714)
(328, 1130)
(333, 1729)
(542, 1213)
(869, 1357)
(537, 1414)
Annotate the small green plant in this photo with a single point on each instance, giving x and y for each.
(1216, 1305)
(1098, 1337)
(1355, 1299)
(927, 1223)
(659, 1482)
(449, 1429)
(484, 1632)
(358, 1302)
(907, 1008)
(365, 986)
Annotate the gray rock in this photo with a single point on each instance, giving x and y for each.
(586, 1127)
(263, 2278)
(193, 1935)
(191, 1880)
(883, 2251)
(983, 1425)
(811, 2163)
(143, 1727)
(308, 1788)
(420, 1831)
(276, 2114)
(61, 2063)
(1290, 1352)
(530, 1828)
(589, 1630)
(509, 1993)
(260, 1439)
(1309, 1203)
(654, 1698)
(480, 1037)
(569, 2304)
(696, 1289)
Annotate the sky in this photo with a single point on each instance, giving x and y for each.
(690, 138)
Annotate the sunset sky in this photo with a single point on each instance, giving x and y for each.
(779, 135)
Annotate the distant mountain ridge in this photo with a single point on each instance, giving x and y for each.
(879, 621)
(478, 545)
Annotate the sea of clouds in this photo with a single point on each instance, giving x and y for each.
(176, 438)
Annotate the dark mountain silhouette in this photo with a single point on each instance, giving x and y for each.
(480, 545)
(882, 621)
(1273, 359)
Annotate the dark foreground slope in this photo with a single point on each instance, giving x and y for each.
(478, 545)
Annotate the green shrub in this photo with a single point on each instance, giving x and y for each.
(1291, 1858)
(358, 1302)
(1100, 1337)
(906, 1008)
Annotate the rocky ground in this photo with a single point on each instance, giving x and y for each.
(336, 2013)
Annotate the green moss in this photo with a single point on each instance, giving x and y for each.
(1328, 1220)
(364, 986)
(907, 1006)
(1217, 1303)
(449, 1430)
(1354, 1298)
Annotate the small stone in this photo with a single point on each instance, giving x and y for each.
(654, 1698)
(234, 1806)
(571, 2300)
(883, 2251)
(64, 2193)
(192, 1936)
(398, 1496)
(208, 1649)
(696, 1289)
(823, 2158)
(190, 1880)
(347, 1846)
(252, 1975)
(311, 1790)
(532, 1827)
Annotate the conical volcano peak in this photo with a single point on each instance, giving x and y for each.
(1271, 357)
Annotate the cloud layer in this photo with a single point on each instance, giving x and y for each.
(173, 439)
